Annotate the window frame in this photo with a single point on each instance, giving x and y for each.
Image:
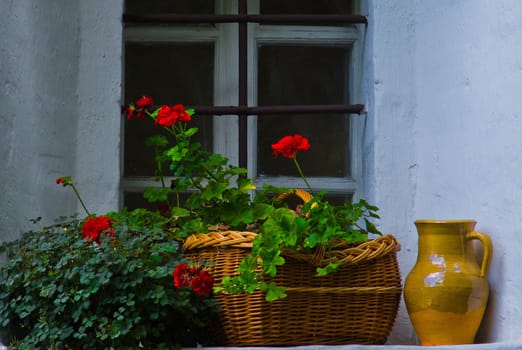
(238, 113)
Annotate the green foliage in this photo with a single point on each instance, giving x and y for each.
(319, 223)
(205, 186)
(58, 291)
(219, 194)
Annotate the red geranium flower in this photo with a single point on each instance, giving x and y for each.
(198, 279)
(170, 115)
(289, 145)
(64, 180)
(181, 277)
(144, 102)
(141, 114)
(202, 284)
(129, 112)
(181, 113)
(95, 226)
(166, 117)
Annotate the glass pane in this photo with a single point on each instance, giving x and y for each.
(338, 199)
(170, 73)
(291, 75)
(135, 200)
(306, 7)
(173, 6)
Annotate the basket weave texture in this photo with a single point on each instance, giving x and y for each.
(357, 304)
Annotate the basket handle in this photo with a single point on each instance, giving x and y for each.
(301, 194)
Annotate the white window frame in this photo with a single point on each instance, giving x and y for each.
(226, 74)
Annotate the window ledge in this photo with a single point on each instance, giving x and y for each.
(496, 346)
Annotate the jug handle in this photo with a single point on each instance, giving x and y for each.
(488, 250)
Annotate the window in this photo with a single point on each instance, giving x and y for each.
(254, 71)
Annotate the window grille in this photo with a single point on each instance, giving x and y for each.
(242, 18)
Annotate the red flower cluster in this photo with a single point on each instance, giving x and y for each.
(170, 115)
(64, 180)
(139, 110)
(198, 279)
(95, 226)
(289, 145)
(144, 102)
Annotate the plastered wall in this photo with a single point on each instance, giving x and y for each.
(442, 136)
(445, 120)
(60, 77)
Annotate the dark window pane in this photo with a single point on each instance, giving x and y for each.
(338, 199)
(306, 7)
(169, 6)
(304, 75)
(170, 73)
(135, 200)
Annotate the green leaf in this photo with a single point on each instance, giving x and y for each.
(179, 212)
(273, 292)
(155, 194)
(178, 152)
(331, 267)
(157, 141)
(370, 227)
(214, 190)
(168, 248)
(190, 132)
(245, 185)
(262, 210)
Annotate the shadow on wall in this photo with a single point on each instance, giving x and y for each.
(486, 332)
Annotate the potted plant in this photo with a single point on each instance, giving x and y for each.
(103, 281)
(255, 240)
(260, 256)
(307, 276)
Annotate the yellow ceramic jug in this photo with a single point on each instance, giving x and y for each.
(446, 292)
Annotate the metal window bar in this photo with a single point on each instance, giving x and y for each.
(242, 110)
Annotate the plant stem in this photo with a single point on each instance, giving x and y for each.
(159, 166)
(80, 199)
(301, 173)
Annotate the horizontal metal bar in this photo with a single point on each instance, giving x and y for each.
(290, 109)
(333, 185)
(309, 19)
(271, 19)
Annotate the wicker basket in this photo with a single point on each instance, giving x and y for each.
(357, 304)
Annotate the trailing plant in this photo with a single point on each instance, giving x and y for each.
(104, 282)
(316, 223)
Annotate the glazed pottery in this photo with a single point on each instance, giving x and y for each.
(446, 292)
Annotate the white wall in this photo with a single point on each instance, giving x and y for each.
(59, 95)
(38, 78)
(389, 138)
(442, 81)
(99, 107)
(444, 94)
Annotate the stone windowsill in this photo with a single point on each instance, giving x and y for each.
(495, 346)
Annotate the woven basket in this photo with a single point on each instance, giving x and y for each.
(357, 304)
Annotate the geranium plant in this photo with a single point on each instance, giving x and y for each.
(216, 192)
(216, 202)
(102, 282)
(316, 223)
